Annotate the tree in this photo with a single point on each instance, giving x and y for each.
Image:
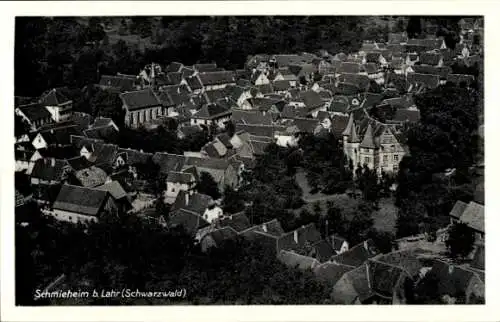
(334, 222)
(360, 223)
(383, 240)
(208, 186)
(232, 200)
(460, 240)
(414, 27)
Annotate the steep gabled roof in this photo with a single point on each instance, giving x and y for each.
(35, 112)
(473, 216)
(216, 78)
(210, 111)
(137, 100)
(120, 82)
(55, 97)
(352, 68)
(356, 255)
(189, 220)
(86, 201)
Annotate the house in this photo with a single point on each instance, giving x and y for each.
(294, 260)
(373, 144)
(251, 117)
(216, 80)
(104, 129)
(55, 137)
(34, 114)
(382, 279)
(83, 205)
(238, 221)
(454, 283)
(88, 177)
(57, 102)
(197, 203)
(376, 58)
(178, 181)
(351, 68)
(188, 220)
(472, 215)
(356, 255)
(203, 68)
(120, 82)
(118, 193)
(214, 113)
(432, 59)
(217, 237)
(460, 80)
(49, 171)
(141, 107)
(259, 78)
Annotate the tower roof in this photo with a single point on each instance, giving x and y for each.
(368, 142)
(353, 136)
(350, 124)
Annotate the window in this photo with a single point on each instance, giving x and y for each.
(367, 160)
(70, 218)
(384, 160)
(396, 157)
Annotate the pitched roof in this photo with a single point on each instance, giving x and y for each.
(106, 133)
(361, 81)
(306, 124)
(452, 280)
(352, 68)
(427, 69)
(180, 177)
(430, 81)
(140, 99)
(368, 141)
(292, 259)
(35, 112)
(86, 201)
(355, 285)
(210, 111)
(473, 216)
(121, 82)
(458, 79)
(311, 99)
(49, 169)
(356, 255)
(189, 220)
(55, 97)
(201, 68)
(281, 85)
(196, 202)
(220, 235)
(432, 59)
(216, 78)
(251, 117)
(91, 177)
(238, 221)
(135, 156)
(331, 272)
(114, 188)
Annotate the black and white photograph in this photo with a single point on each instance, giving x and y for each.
(166, 160)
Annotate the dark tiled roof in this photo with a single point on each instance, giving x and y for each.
(251, 117)
(55, 97)
(357, 255)
(430, 59)
(210, 111)
(81, 200)
(430, 81)
(35, 112)
(106, 133)
(452, 280)
(352, 68)
(361, 81)
(311, 99)
(174, 67)
(79, 163)
(294, 260)
(331, 272)
(238, 221)
(202, 68)
(49, 169)
(217, 78)
(120, 82)
(91, 177)
(426, 69)
(458, 79)
(187, 219)
(473, 216)
(180, 177)
(196, 202)
(140, 99)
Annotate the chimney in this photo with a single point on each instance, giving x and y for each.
(450, 269)
(186, 196)
(365, 244)
(264, 228)
(52, 162)
(296, 236)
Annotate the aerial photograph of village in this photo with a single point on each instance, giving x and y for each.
(242, 160)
